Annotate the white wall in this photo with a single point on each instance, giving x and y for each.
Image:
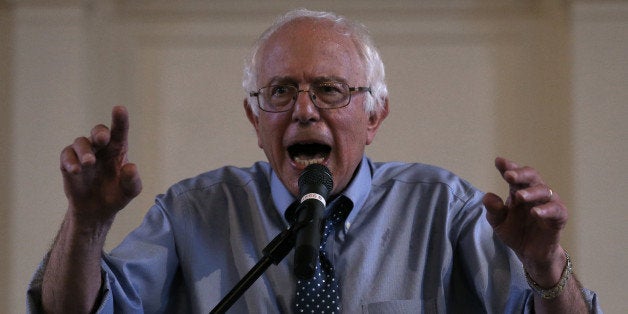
(537, 81)
(600, 132)
(6, 176)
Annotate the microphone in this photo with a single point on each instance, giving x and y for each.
(315, 183)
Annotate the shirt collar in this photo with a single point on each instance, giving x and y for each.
(357, 191)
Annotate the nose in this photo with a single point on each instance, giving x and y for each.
(304, 110)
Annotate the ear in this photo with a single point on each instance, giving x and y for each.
(375, 120)
(253, 119)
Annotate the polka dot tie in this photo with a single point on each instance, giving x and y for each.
(321, 293)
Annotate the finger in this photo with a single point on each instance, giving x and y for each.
(515, 174)
(84, 151)
(508, 170)
(502, 164)
(100, 136)
(523, 176)
(130, 181)
(495, 210)
(69, 162)
(119, 126)
(536, 194)
(553, 215)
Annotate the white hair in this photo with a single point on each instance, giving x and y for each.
(375, 75)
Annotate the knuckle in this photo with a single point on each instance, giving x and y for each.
(66, 153)
(99, 129)
(79, 141)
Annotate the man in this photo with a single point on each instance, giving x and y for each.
(414, 237)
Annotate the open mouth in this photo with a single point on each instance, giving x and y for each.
(310, 153)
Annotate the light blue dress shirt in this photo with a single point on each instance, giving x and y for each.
(416, 241)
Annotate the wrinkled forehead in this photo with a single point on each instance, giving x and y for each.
(308, 47)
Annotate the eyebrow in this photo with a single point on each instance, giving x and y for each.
(283, 80)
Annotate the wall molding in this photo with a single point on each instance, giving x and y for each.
(231, 23)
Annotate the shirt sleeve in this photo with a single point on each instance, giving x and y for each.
(491, 269)
(138, 274)
(33, 294)
(142, 269)
(590, 298)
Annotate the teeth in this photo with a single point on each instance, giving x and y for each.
(307, 162)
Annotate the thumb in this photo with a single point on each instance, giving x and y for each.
(495, 209)
(130, 181)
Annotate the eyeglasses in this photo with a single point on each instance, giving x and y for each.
(324, 95)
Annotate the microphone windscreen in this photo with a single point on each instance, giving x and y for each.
(315, 174)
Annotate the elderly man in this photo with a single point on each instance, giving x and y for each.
(397, 236)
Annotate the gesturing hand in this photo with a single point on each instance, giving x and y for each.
(530, 221)
(98, 179)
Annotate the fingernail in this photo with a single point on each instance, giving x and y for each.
(511, 176)
(88, 158)
(523, 194)
(73, 169)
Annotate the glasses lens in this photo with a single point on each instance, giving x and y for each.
(331, 94)
(277, 97)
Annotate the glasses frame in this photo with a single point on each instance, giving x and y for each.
(312, 96)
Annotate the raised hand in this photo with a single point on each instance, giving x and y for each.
(98, 179)
(98, 182)
(529, 221)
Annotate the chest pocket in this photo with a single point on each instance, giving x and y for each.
(402, 307)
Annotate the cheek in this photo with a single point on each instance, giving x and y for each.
(269, 133)
(350, 143)
(354, 131)
(264, 137)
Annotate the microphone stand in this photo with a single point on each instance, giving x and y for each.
(274, 253)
